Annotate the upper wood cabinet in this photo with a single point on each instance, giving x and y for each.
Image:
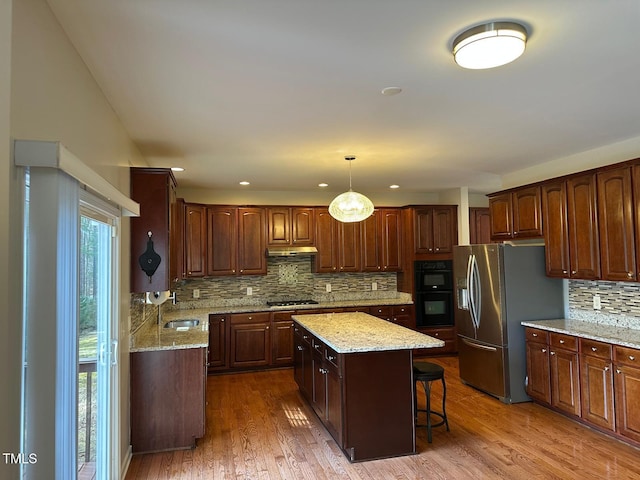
(326, 260)
(236, 242)
(290, 226)
(479, 225)
(381, 244)
(348, 246)
(154, 190)
(435, 229)
(195, 240)
(516, 214)
(615, 217)
(570, 222)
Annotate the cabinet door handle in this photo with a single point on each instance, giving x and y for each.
(573, 272)
(618, 370)
(606, 369)
(300, 348)
(552, 353)
(267, 327)
(221, 320)
(544, 350)
(630, 274)
(564, 272)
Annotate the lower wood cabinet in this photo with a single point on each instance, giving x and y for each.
(627, 385)
(281, 339)
(595, 382)
(447, 334)
(168, 399)
(218, 355)
(250, 340)
(244, 341)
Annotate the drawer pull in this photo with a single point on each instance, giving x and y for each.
(552, 353)
(632, 358)
(561, 341)
(606, 369)
(544, 350)
(534, 334)
(331, 358)
(618, 370)
(594, 349)
(300, 348)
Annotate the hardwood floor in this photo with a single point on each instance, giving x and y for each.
(258, 427)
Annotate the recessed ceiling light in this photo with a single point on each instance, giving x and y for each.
(394, 186)
(177, 169)
(323, 185)
(389, 91)
(244, 182)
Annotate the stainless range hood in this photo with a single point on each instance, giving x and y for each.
(291, 251)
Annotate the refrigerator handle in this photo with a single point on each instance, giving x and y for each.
(479, 347)
(476, 295)
(472, 286)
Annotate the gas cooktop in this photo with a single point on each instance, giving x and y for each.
(286, 303)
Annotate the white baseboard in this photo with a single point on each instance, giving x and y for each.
(125, 463)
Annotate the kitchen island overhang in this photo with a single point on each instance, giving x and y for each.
(356, 371)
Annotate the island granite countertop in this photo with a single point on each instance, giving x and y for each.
(361, 332)
(623, 336)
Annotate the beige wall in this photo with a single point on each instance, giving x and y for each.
(10, 352)
(54, 97)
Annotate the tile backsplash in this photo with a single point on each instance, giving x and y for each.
(620, 302)
(288, 278)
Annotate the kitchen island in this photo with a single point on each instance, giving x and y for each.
(356, 371)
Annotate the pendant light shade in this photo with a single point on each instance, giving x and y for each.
(350, 206)
(489, 45)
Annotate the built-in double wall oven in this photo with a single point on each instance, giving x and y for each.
(434, 293)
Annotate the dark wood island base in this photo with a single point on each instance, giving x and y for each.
(364, 398)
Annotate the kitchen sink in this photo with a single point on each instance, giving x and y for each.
(182, 323)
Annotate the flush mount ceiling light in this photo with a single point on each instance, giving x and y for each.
(489, 45)
(350, 206)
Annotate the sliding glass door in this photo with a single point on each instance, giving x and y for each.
(97, 351)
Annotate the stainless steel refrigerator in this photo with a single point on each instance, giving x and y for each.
(497, 287)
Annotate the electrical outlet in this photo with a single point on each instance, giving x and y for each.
(596, 302)
(374, 285)
(327, 287)
(196, 293)
(249, 291)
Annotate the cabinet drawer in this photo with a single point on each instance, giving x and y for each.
(536, 335)
(282, 316)
(260, 317)
(560, 340)
(402, 309)
(331, 356)
(627, 356)
(445, 334)
(595, 349)
(317, 345)
(382, 311)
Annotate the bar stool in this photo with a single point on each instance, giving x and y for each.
(425, 373)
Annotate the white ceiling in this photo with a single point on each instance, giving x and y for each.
(277, 92)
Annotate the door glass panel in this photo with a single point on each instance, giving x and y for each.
(93, 347)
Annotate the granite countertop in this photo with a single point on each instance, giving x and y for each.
(361, 332)
(626, 337)
(263, 307)
(153, 336)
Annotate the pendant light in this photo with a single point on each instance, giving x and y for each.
(350, 206)
(489, 45)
